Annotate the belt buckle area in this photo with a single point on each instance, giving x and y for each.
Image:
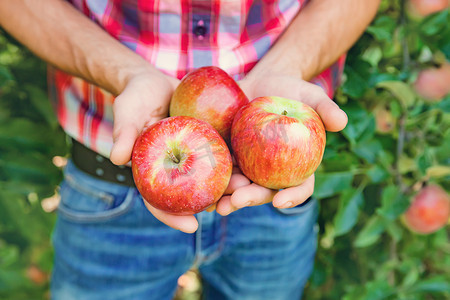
(99, 166)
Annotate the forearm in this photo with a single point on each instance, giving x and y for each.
(317, 37)
(65, 38)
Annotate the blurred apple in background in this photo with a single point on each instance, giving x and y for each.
(429, 210)
(433, 84)
(422, 8)
(211, 95)
(37, 275)
(181, 165)
(385, 121)
(277, 142)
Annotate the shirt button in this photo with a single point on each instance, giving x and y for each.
(200, 29)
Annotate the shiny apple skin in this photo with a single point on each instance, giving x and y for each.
(197, 181)
(211, 95)
(274, 150)
(429, 210)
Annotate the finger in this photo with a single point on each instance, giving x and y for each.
(237, 180)
(124, 140)
(174, 82)
(294, 196)
(334, 118)
(187, 224)
(313, 95)
(251, 195)
(224, 206)
(125, 130)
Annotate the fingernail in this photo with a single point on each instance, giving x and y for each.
(285, 205)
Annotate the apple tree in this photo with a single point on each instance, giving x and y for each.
(396, 143)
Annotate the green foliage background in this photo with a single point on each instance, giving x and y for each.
(365, 182)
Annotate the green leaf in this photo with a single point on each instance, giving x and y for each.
(386, 159)
(382, 28)
(435, 23)
(342, 161)
(373, 55)
(400, 90)
(378, 290)
(368, 150)
(395, 231)
(5, 76)
(347, 214)
(371, 232)
(9, 254)
(432, 285)
(394, 203)
(319, 274)
(424, 160)
(41, 103)
(443, 105)
(395, 109)
(360, 123)
(24, 134)
(33, 167)
(377, 174)
(357, 79)
(438, 171)
(11, 279)
(380, 77)
(329, 184)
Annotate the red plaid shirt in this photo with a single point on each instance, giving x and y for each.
(176, 36)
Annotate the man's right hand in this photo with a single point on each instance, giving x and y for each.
(144, 101)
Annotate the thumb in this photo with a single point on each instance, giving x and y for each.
(124, 136)
(125, 131)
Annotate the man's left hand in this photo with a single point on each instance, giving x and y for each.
(241, 192)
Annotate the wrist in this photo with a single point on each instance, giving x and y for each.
(140, 71)
(275, 64)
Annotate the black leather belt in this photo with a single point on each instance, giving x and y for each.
(99, 166)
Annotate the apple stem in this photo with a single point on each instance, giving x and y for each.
(173, 157)
(284, 113)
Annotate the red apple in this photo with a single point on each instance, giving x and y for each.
(277, 142)
(422, 8)
(36, 275)
(429, 210)
(211, 95)
(181, 165)
(385, 121)
(433, 84)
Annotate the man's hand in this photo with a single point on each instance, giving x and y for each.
(144, 101)
(241, 192)
(321, 32)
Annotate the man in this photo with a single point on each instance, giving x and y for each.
(106, 243)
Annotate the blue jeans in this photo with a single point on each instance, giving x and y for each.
(108, 246)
